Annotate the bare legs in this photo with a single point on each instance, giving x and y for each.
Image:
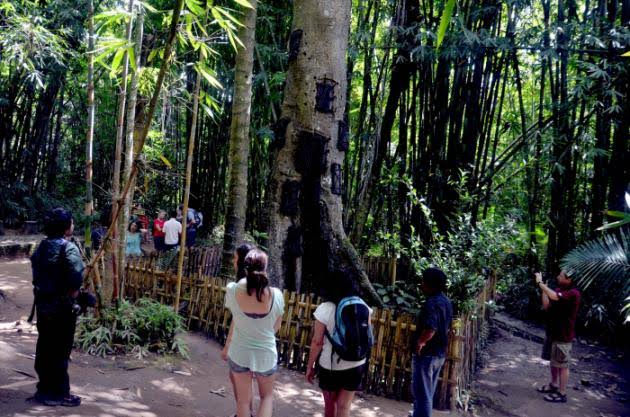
(560, 379)
(337, 404)
(251, 402)
(243, 394)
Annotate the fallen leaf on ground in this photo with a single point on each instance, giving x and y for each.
(26, 356)
(182, 373)
(220, 392)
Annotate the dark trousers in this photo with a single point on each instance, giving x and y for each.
(158, 241)
(424, 378)
(54, 344)
(191, 237)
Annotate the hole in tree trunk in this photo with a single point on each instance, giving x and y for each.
(335, 172)
(290, 198)
(342, 139)
(280, 132)
(294, 44)
(325, 97)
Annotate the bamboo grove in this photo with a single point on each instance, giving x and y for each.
(468, 108)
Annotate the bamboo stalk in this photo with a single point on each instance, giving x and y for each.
(145, 131)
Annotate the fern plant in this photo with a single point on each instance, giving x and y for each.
(604, 261)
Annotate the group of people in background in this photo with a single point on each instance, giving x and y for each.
(166, 230)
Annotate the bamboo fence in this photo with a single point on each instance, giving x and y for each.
(380, 270)
(389, 368)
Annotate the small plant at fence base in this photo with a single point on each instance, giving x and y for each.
(132, 328)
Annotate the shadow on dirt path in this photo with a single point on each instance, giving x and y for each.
(124, 386)
(506, 385)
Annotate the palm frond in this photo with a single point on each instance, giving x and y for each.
(604, 260)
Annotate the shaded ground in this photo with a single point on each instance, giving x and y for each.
(505, 386)
(125, 386)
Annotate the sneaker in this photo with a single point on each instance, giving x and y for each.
(45, 399)
(70, 401)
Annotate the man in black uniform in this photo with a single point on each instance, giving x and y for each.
(57, 277)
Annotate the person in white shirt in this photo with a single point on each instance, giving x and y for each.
(172, 231)
(339, 379)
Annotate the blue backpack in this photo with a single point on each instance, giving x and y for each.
(352, 338)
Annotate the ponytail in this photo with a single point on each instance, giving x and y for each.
(256, 267)
(241, 252)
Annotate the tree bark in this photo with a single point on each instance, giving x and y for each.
(307, 241)
(239, 140)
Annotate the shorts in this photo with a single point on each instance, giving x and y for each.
(560, 354)
(238, 369)
(347, 379)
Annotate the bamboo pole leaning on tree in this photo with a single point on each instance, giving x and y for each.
(189, 158)
(89, 143)
(129, 150)
(145, 131)
(239, 140)
(120, 131)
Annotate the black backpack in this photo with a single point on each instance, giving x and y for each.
(352, 338)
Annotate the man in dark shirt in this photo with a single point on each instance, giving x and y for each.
(562, 306)
(430, 341)
(57, 276)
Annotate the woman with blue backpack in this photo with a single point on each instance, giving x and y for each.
(341, 345)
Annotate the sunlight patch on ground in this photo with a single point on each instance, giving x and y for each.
(170, 385)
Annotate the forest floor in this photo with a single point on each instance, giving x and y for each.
(199, 386)
(505, 386)
(157, 386)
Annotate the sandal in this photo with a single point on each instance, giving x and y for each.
(556, 397)
(547, 389)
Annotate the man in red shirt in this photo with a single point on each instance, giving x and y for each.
(562, 306)
(158, 231)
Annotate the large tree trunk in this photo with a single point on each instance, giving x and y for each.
(306, 237)
(239, 140)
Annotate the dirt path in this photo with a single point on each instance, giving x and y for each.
(505, 386)
(120, 386)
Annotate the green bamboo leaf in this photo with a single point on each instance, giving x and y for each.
(118, 56)
(195, 7)
(244, 3)
(132, 57)
(618, 214)
(614, 225)
(445, 20)
(205, 73)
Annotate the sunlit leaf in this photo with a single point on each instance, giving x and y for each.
(445, 20)
(244, 3)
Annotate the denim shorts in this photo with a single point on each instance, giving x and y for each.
(238, 369)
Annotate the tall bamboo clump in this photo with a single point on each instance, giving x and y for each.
(239, 139)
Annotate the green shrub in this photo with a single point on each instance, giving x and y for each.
(139, 328)
(467, 255)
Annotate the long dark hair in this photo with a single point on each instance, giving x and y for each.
(241, 252)
(338, 285)
(256, 269)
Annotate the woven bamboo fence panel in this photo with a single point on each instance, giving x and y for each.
(207, 261)
(389, 367)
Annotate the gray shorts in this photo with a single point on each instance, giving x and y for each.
(238, 369)
(560, 354)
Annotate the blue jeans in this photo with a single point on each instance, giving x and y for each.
(424, 378)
